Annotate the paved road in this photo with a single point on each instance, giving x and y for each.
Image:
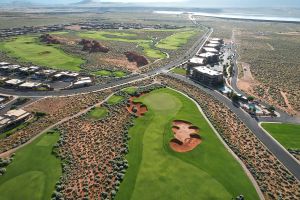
(283, 156)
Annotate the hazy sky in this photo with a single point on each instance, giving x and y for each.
(200, 3)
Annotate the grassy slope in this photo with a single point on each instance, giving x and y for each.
(286, 134)
(157, 172)
(130, 90)
(124, 37)
(34, 171)
(27, 49)
(114, 99)
(152, 53)
(110, 73)
(176, 40)
(111, 36)
(179, 71)
(97, 113)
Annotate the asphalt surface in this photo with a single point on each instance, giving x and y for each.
(283, 156)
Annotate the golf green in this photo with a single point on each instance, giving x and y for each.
(179, 70)
(286, 134)
(115, 99)
(145, 44)
(33, 172)
(157, 172)
(28, 49)
(97, 113)
(176, 40)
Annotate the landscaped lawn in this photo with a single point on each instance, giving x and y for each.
(98, 113)
(124, 37)
(130, 90)
(179, 70)
(286, 134)
(33, 172)
(102, 73)
(118, 74)
(115, 99)
(176, 40)
(152, 53)
(111, 36)
(157, 172)
(28, 49)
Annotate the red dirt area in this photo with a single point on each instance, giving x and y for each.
(73, 28)
(137, 109)
(186, 136)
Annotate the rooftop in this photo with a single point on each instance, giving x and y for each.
(197, 60)
(207, 54)
(14, 81)
(30, 84)
(215, 39)
(214, 42)
(206, 70)
(209, 49)
(19, 113)
(3, 63)
(212, 45)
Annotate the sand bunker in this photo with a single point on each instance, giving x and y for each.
(186, 136)
(137, 109)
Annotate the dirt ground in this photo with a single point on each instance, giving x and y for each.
(290, 33)
(186, 137)
(140, 108)
(247, 82)
(283, 94)
(271, 47)
(73, 28)
(121, 63)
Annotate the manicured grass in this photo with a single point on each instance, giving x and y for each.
(179, 70)
(176, 40)
(286, 134)
(157, 172)
(152, 53)
(130, 90)
(115, 99)
(28, 49)
(33, 172)
(97, 113)
(124, 37)
(119, 74)
(111, 36)
(102, 73)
